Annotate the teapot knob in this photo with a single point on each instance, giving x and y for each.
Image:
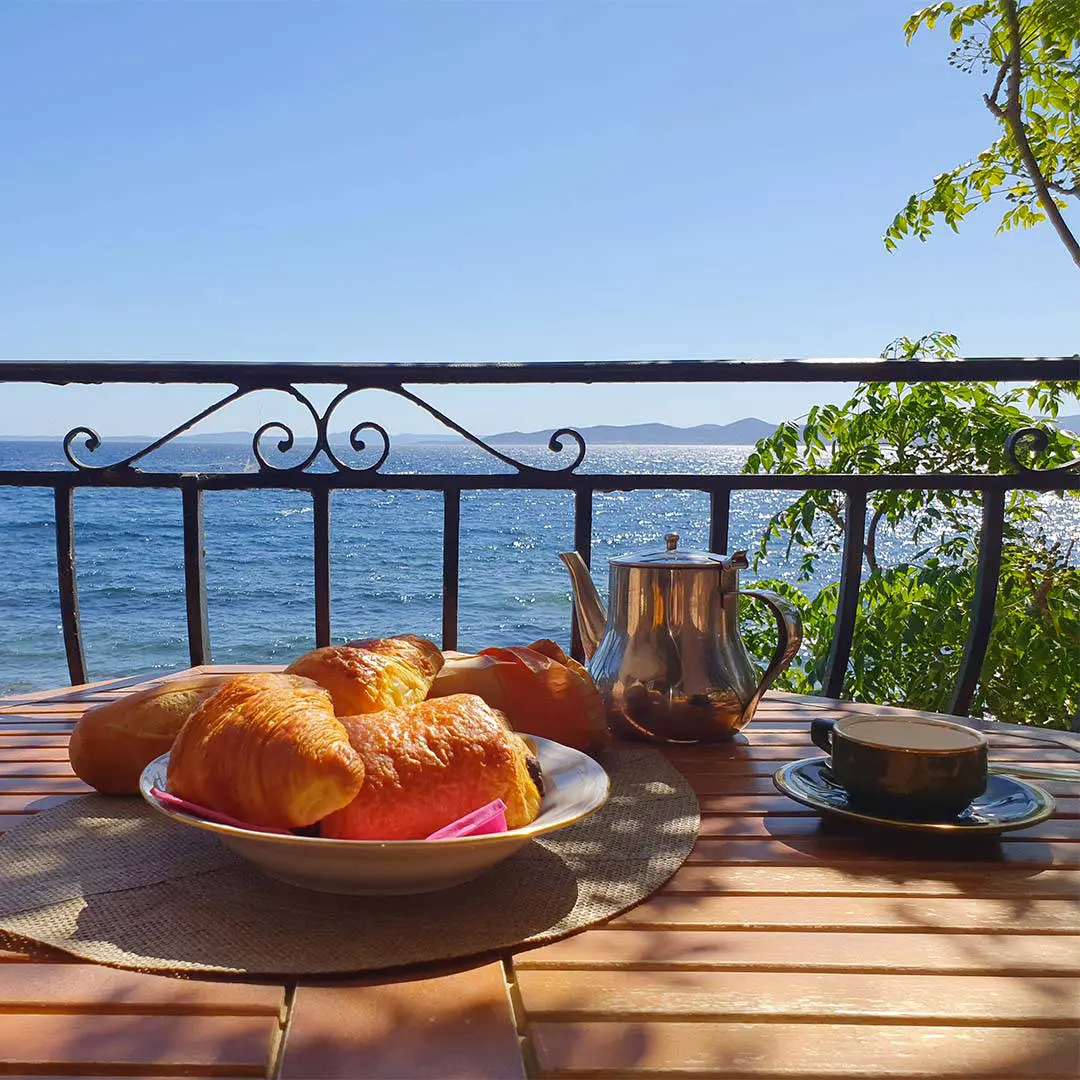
(671, 540)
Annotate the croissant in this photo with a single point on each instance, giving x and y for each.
(366, 676)
(114, 742)
(266, 749)
(430, 764)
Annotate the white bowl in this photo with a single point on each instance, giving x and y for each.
(574, 786)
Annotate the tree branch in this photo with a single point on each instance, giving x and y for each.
(1013, 118)
(1074, 191)
(834, 514)
(870, 548)
(991, 98)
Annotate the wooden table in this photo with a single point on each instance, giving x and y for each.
(785, 947)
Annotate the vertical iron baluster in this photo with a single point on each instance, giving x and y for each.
(198, 621)
(451, 566)
(64, 499)
(719, 519)
(847, 606)
(320, 498)
(982, 613)
(583, 513)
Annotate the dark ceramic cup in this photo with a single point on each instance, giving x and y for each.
(908, 767)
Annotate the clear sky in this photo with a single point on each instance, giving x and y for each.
(467, 181)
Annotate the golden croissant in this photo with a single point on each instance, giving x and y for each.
(366, 676)
(266, 749)
(430, 764)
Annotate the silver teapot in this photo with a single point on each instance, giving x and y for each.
(667, 656)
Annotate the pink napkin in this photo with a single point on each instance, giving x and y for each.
(488, 819)
(173, 802)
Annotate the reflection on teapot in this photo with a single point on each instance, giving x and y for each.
(667, 656)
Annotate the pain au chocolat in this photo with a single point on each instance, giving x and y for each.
(373, 674)
(429, 764)
(266, 749)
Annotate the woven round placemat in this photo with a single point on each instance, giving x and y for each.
(111, 880)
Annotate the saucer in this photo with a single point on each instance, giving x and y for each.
(1007, 803)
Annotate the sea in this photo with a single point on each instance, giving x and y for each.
(386, 555)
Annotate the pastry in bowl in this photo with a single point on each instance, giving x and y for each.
(266, 749)
(540, 689)
(427, 765)
(377, 673)
(575, 786)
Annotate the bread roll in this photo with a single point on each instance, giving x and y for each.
(430, 764)
(114, 742)
(378, 673)
(266, 749)
(540, 689)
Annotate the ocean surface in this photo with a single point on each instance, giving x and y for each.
(386, 556)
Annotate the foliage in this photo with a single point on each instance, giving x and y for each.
(1031, 49)
(913, 616)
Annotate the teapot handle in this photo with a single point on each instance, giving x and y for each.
(789, 631)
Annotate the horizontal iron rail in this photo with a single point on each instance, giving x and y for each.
(375, 375)
(554, 481)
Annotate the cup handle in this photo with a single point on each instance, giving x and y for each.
(821, 732)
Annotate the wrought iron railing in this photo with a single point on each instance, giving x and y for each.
(561, 474)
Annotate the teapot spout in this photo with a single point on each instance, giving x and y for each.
(591, 616)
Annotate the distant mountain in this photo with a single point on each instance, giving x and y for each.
(745, 431)
(741, 432)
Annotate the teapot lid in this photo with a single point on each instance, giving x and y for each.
(672, 559)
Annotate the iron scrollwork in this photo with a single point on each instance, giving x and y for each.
(92, 440)
(287, 438)
(555, 443)
(1036, 440)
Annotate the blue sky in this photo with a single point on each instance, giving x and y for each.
(489, 181)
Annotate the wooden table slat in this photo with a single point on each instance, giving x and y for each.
(793, 996)
(735, 1051)
(1012, 850)
(94, 987)
(847, 951)
(896, 879)
(33, 741)
(195, 1045)
(43, 785)
(443, 1027)
(34, 768)
(827, 913)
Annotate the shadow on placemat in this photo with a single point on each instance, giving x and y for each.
(112, 881)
